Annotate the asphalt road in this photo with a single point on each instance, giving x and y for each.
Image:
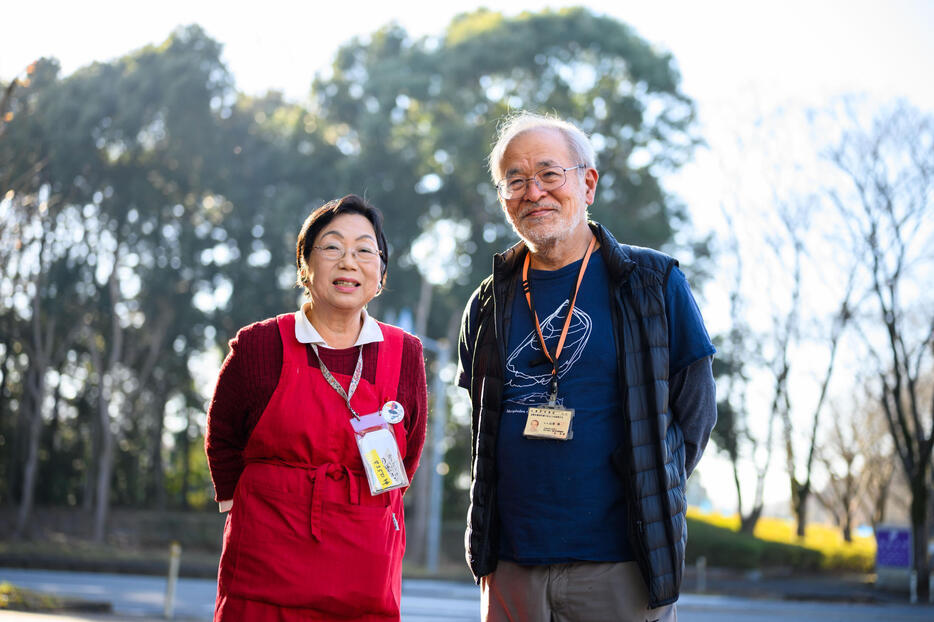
(138, 598)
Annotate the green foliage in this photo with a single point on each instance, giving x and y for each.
(727, 548)
(415, 120)
(187, 479)
(729, 369)
(726, 433)
(119, 159)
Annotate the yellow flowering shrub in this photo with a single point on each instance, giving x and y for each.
(822, 546)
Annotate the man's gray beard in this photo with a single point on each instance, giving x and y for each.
(544, 244)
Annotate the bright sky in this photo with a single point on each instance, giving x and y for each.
(738, 58)
(801, 49)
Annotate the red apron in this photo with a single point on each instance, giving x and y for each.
(305, 539)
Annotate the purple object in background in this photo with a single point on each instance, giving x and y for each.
(893, 547)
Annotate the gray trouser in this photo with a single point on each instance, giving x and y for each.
(575, 592)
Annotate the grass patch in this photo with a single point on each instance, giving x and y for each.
(774, 543)
(14, 598)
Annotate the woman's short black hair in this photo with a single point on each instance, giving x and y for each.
(318, 220)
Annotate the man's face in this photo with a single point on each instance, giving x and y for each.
(545, 218)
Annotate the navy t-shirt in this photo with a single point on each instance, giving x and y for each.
(563, 501)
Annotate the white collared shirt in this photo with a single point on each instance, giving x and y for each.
(306, 333)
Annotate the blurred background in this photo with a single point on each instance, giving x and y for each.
(157, 161)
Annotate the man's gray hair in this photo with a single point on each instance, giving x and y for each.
(524, 121)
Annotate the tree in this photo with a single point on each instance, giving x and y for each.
(771, 355)
(846, 466)
(148, 220)
(867, 436)
(34, 269)
(120, 160)
(415, 120)
(789, 307)
(737, 354)
(801, 490)
(888, 171)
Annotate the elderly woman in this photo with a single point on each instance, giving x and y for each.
(316, 427)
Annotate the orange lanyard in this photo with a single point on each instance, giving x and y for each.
(527, 288)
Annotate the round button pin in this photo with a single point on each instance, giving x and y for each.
(392, 412)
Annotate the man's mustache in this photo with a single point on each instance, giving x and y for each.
(525, 211)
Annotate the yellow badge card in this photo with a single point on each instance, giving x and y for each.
(548, 422)
(380, 455)
(379, 469)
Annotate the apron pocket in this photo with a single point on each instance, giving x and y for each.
(271, 515)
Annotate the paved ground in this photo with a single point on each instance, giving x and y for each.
(18, 616)
(143, 597)
(694, 608)
(731, 597)
(790, 585)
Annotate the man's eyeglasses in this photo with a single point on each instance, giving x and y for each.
(546, 179)
(363, 254)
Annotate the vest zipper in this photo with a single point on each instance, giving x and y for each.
(394, 521)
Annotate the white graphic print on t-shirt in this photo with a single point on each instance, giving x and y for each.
(521, 375)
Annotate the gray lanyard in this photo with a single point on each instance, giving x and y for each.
(354, 381)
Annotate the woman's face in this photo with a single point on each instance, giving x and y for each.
(345, 283)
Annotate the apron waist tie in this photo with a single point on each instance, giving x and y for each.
(318, 477)
(319, 474)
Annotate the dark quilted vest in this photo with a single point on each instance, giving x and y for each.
(650, 459)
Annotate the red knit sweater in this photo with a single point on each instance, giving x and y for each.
(249, 377)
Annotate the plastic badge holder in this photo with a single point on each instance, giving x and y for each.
(379, 453)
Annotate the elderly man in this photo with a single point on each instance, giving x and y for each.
(580, 516)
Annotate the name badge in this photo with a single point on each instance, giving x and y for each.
(549, 422)
(379, 453)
